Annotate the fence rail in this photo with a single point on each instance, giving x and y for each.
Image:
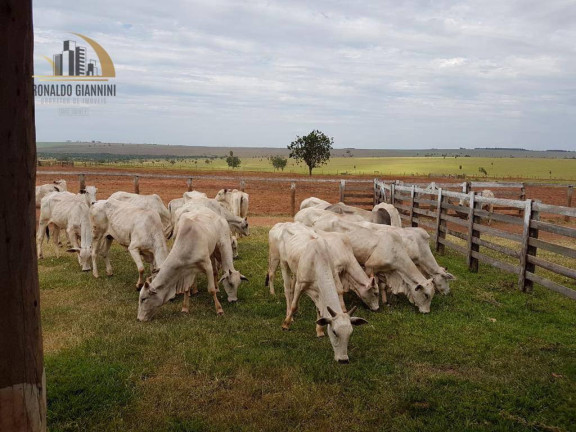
(429, 207)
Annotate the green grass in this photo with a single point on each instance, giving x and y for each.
(525, 168)
(486, 358)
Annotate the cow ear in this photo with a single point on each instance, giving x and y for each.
(449, 276)
(331, 311)
(244, 278)
(72, 250)
(356, 321)
(351, 311)
(82, 191)
(324, 321)
(418, 288)
(222, 278)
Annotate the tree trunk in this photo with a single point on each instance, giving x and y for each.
(310, 171)
(22, 388)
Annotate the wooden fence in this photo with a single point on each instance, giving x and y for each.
(464, 216)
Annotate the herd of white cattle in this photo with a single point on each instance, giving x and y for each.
(328, 250)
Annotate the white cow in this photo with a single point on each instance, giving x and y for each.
(417, 244)
(350, 274)
(173, 206)
(382, 251)
(43, 190)
(304, 256)
(392, 211)
(137, 229)
(234, 200)
(148, 202)
(314, 202)
(71, 213)
(379, 216)
(202, 238)
(192, 195)
(310, 215)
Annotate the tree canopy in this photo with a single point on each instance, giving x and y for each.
(233, 161)
(279, 162)
(313, 149)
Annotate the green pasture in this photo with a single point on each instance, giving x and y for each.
(501, 168)
(487, 357)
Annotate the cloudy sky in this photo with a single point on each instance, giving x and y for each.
(372, 74)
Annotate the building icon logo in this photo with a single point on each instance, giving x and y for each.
(73, 64)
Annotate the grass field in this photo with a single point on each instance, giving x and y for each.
(528, 168)
(486, 358)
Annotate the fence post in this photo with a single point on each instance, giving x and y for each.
(569, 193)
(527, 250)
(189, 184)
(136, 185)
(466, 187)
(242, 185)
(522, 195)
(440, 224)
(293, 198)
(342, 189)
(82, 179)
(392, 193)
(375, 194)
(472, 247)
(413, 204)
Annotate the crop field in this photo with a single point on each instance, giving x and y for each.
(496, 168)
(487, 357)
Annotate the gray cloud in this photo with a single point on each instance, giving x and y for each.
(373, 74)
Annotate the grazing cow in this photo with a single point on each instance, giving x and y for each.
(382, 251)
(173, 207)
(71, 213)
(393, 214)
(380, 216)
(139, 230)
(310, 215)
(417, 244)
(350, 274)
(238, 226)
(314, 202)
(234, 200)
(202, 238)
(55, 186)
(148, 202)
(307, 268)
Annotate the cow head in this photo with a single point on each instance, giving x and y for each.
(340, 325)
(84, 257)
(241, 227)
(422, 296)
(369, 294)
(150, 299)
(231, 280)
(442, 281)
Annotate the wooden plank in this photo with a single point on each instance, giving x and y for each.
(456, 208)
(454, 246)
(426, 201)
(498, 233)
(559, 210)
(496, 247)
(510, 268)
(425, 223)
(413, 206)
(551, 285)
(562, 250)
(553, 267)
(402, 207)
(455, 220)
(424, 212)
(501, 202)
(487, 185)
(554, 229)
(569, 194)
(513, 220)
(342, 188)
(454, 233)
(360, 203)
(359, 195)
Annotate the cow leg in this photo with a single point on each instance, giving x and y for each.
(272, 266)
(139, 264)
(96, 245)
(298, 289)
(73, 236)
(212, 286)
(382, 287)
(186, 302)
(106, 255)
(40, 237)
(287, 289)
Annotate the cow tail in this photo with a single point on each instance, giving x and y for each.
(47, 232)
(267, 283)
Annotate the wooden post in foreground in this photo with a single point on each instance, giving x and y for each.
(342, 189)
(189, 184)
(82, 180)
(136, 185)
(242, 185)
(22, 381)
(293, 198)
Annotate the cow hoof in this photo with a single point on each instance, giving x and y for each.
(139, 287)
(109, 274)
(185, 311)
(320, 335)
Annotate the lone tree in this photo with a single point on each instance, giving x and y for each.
(482, 170)
(313, 149)
(279, 162)
(233, 161)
